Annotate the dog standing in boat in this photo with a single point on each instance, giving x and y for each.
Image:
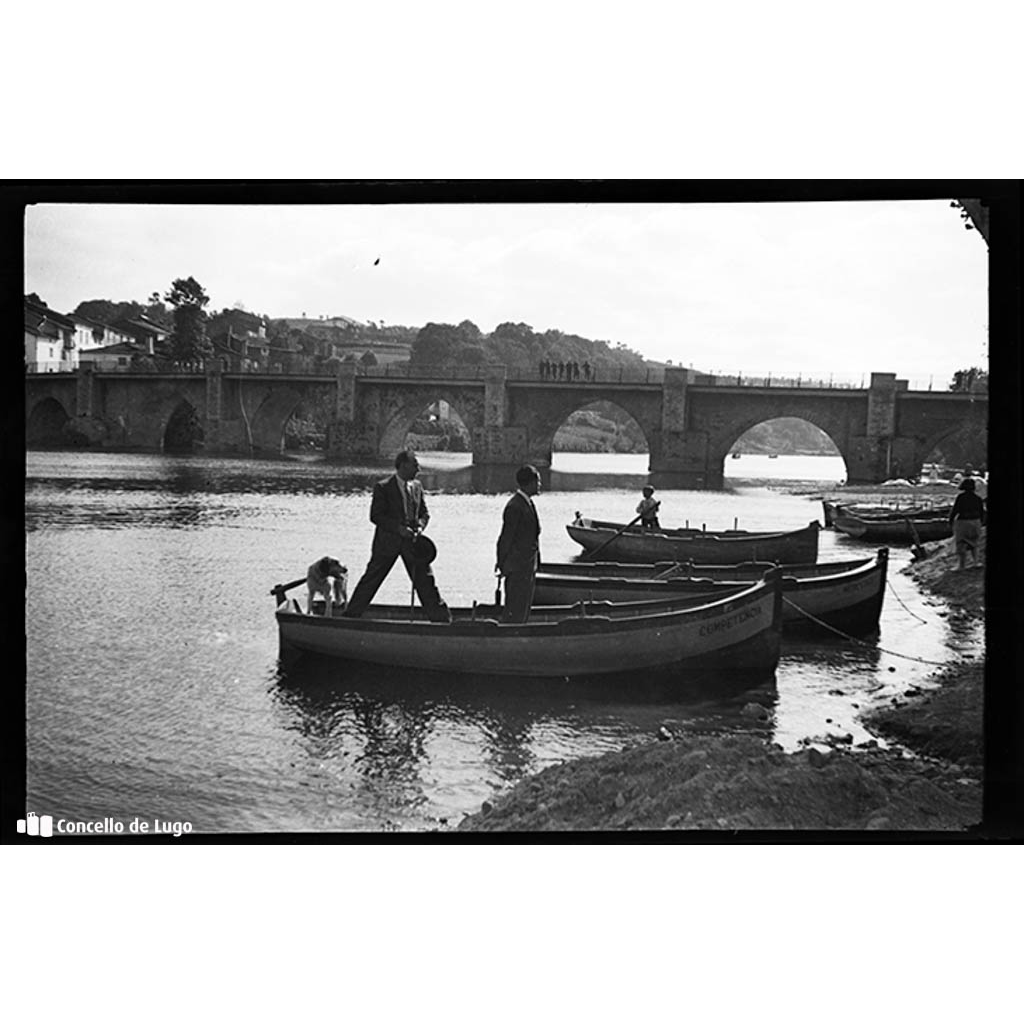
(327, 576)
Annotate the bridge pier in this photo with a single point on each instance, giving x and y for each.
(212, 439)
(879, 454)
(496, 443)
(679, 455)
(351, 436)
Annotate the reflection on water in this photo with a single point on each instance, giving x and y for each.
(167, 699)
(392, 727)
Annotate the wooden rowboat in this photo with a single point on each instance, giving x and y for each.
(862, 510)
(845, 596)
(905, 530)
(632, 544)
(590, 639)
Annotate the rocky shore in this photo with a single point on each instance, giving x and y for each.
(930, 781)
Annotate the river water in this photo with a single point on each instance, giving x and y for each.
(154, 689)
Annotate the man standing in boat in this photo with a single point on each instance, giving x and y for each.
(519, 546)
(399, 511)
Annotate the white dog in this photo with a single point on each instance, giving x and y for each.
(327, 576)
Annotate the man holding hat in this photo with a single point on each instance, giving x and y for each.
(399, 511)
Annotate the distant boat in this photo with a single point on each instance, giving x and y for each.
(902, 529)
(627, 543)
(841, 595)
(865, 510)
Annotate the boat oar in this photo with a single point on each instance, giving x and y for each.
(666, 573)
(282, 588)
(917, 548)
(600, 547)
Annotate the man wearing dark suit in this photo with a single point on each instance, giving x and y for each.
(519, 546)
(399, 511)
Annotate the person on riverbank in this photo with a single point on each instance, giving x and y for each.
(967, 517)
(399, 511)
(519, 546)
(980, 487)
(648, 510)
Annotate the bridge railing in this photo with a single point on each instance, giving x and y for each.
(572, 374)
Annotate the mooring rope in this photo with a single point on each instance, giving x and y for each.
(856, 640)
(898, 598)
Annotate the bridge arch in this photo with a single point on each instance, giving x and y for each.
(183, 431)
(547, 412)
(924, 449)
(721, 444)
(593, 416)
(46, 423)
(399, 414)
(265, 426)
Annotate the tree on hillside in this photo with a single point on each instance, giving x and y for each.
(188, 338)
(108, 312)
(157, 311)
(973, 379)
(104, 310)
(437, 344)
(472, 355)
(469, 333)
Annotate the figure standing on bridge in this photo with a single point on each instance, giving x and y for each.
(399, 511)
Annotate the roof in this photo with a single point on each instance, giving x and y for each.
(117, 349)
(140, 323)
(34, 309)
(80, 318)
(302, 322)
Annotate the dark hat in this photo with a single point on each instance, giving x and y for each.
(423, 549)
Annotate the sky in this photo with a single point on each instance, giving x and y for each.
(840, 288)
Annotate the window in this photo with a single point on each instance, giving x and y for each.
(122, 360)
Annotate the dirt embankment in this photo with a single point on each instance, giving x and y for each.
(945, 721)
(735, 782)
(741, 782)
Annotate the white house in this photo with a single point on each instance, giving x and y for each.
(92, 334)
(49, 340)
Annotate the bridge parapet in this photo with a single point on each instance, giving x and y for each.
(689, 420)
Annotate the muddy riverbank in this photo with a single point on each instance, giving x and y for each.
(930, 781)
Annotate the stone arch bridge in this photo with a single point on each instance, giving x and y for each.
(882, 430)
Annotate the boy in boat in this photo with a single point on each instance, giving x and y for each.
(648, 510)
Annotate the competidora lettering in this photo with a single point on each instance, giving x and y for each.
(715, 627)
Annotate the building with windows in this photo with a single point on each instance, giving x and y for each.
(49, 340)
(119, 356)
(145, 332)
(240, 338)
(92, 334)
